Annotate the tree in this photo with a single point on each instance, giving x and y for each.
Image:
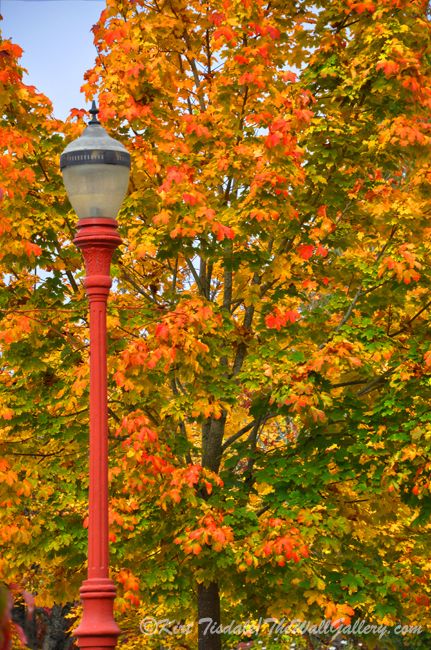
(42, 503)
(269, 346)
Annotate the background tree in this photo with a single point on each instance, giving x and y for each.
(269, 330)
(42, 503)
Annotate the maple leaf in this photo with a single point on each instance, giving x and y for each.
(242, 60)
(216, 18)
(77, 112)
(191, 198)
(321, 250)
(273, 139)
(361, 7)
(280, 318)
(114, 35)
(305, 251)
(226, 32)
(32, 249)
(7, 47)
(289, 76)
(390, 68)
(223, 232)
(162, 331)
(303, 114)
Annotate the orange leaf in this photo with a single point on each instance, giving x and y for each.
(390, 68)
(32, 249)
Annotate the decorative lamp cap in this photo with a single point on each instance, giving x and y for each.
(94, 111)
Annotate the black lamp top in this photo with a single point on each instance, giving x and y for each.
(94, 112)
(94, 146)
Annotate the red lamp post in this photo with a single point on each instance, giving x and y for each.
(96, 171)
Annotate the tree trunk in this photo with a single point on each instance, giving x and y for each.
(212, 439)
(45, 629)
(209, 637)
(56, 637)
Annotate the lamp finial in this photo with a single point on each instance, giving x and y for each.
(93, 112)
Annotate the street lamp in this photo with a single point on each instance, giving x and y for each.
(96, 171)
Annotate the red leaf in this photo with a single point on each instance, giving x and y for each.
(303, 114)
(114, 35)
(242, 60)
(223, 232)
(273, 139)
(226, 32)
(305, 251)
(32, 249)
(162, 331)
(216, 18)
(322, 251)
(273, 321)
(291, 316)
(360, 7)
(279, 319)
(77, 112)
(191, 199)
(273, 32)
(11, 48)
(390, 68)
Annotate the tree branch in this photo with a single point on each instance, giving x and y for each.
(410, 321)
(195, 275)
(233, 438)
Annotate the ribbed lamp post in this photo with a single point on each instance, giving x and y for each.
(96, 171)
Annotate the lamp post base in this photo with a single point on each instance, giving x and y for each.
(98, 629)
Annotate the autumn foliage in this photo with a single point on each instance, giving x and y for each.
(269, 348)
